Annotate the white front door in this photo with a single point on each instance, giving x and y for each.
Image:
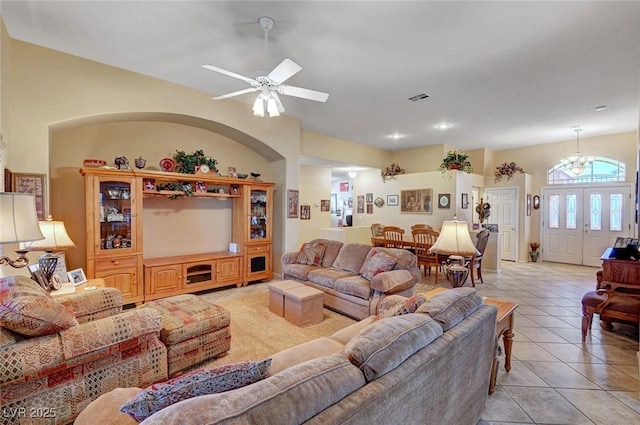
(579, 223)
(504, 213)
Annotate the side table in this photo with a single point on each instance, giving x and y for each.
(504, 328)
(87, 286)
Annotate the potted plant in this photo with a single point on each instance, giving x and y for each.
(187, 163)
(456, 160)
(533, 251)
(506, 169)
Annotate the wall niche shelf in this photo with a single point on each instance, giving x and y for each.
(113, 211)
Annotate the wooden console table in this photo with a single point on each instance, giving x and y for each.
(618, 270)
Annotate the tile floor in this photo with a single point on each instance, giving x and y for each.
(555, 379)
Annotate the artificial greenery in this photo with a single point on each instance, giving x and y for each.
(506, 169)
(182, 189)
(456, 160)
(187, 163)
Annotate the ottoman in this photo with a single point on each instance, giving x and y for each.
(303, 305)
(193, 330)
(276, 295)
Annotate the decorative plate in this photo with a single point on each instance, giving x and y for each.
(378, 202)
(94, 163)
(167, 164)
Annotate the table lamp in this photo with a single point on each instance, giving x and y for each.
(55, 239)
(455, 242)
(18, 223)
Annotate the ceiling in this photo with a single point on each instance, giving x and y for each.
(503, 74)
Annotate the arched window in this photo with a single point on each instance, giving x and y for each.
(602, 170)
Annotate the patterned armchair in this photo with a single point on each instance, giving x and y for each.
(49, 379)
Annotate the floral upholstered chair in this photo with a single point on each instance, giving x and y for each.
(62, 353)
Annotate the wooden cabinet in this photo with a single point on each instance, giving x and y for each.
(182, 274)
(253, 228)
(113, 246)
(113, 210)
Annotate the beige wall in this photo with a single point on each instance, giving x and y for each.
(330, 148)
(315, 185)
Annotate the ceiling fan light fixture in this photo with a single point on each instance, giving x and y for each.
(272, 107)
(258, 106)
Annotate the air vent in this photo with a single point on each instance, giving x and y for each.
(418, 97)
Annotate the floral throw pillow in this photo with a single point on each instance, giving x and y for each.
(410, 305)
(199, 382)
(377, 262)
(27, 309)
(312, 253)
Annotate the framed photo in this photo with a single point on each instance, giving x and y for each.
(444, 200)
(77, 276)
(8, 180)
(464, 201)
(334, 202)
(344, 186)
(325, 205)
(292, 203)
(416, 201)
(360, 204)
(34, 184)
(392, 200)
(350, 202)
(305, 212)
(379, 202)
(149, 184)
(369, 198)
(369, 208)
(528, 204)
(202, 187)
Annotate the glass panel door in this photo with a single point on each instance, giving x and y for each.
(258, 215)
(115, 215)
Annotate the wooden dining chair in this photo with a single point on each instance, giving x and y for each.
(376, 229)
(393, 237)
(475, 262)
(421, 226)
(423, 239)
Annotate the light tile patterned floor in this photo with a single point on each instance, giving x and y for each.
(555, 379)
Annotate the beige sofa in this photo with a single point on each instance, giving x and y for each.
(339, 276)
(428, 367)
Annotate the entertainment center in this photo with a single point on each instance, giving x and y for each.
(114, 248)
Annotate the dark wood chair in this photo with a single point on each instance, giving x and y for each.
(393, 237)
(475, 262)
(423, 239)
(614, 302)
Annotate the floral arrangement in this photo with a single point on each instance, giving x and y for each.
(391, 171)
(186, 163)
(534, 246)
(507, 169)
(456, 160)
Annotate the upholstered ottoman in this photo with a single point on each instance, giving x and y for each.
(303, 305)
(276, 295)
(193, 330)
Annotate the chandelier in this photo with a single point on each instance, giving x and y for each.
(577, 163)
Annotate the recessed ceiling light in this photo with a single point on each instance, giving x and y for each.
(395, 136)
(601, 108)
(443, 126)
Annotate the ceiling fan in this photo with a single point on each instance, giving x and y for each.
(270, 85)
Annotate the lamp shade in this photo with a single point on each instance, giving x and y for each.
(18, 218)
(55, 237)
(454, 239)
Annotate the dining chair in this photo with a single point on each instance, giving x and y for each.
(393, 237)
(376, 230)
(421, 226)
(475, 262)
(423, 239)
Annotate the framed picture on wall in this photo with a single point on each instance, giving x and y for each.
(360, 202)
(325, 205)
(369, 208)
(416, 201)
(464, 201)
(34, 184)
(305, 212)
(369, 198)
(444, 200)
(344, 186)
(292, 203)
(392, 200)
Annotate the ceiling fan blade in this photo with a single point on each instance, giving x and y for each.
(231, 74)
(318, 96)
(285, 70)
(236, 93)
(278, 102)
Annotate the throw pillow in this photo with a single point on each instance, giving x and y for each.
(376, 263)
(199, 382)
(312, 253)
(408, 306)
(27, 309)
(452, 306)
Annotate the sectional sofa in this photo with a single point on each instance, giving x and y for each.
(432, 366)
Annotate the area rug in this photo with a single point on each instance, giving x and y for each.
(257, 333)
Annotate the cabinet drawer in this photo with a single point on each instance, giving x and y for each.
(258, 248)
(109, 263)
